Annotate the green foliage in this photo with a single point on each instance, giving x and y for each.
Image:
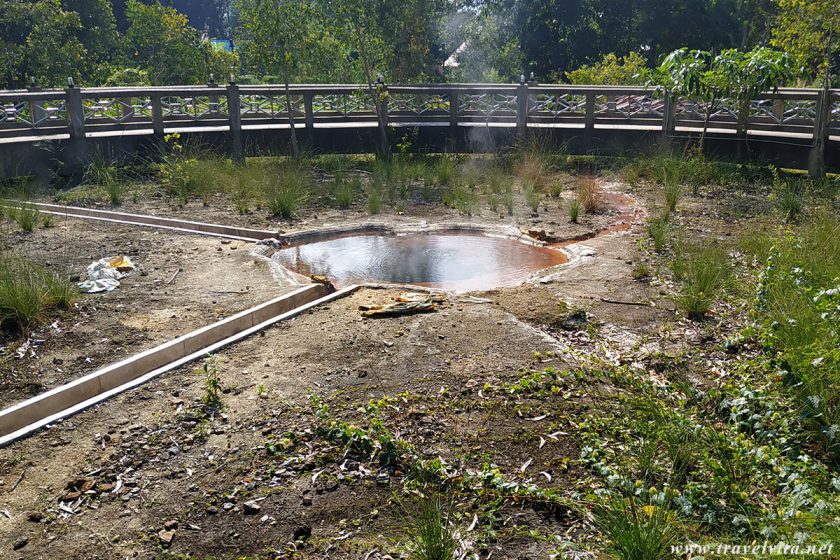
(574, 210)
(344, 192)
(374, 200)
(673, 190)
(210, 374)
(630, 70)
(462, 198)
(636, 531)
(25, 216)
(731, 74)
(703, 270)
(160, 40)
(808, 30)
(532, 195)
(430, 537)
(101, 173)
(28, 292)
(658, 230)
(789, 196)
(797, 310)
(288, 189)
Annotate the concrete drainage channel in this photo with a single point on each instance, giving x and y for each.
(24, 418)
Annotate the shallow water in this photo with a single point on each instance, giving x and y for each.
(452, 261)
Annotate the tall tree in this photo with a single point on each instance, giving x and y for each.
(810, 30)
(160, 40)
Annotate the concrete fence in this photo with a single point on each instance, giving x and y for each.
(453, 117)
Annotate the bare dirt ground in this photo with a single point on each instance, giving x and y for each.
(147, 475)
(182, 282)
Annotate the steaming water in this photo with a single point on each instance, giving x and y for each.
(452, 261)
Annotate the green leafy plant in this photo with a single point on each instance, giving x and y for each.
(211, 378)
(730, 74)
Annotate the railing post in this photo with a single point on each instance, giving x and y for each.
(522, 108)
(76, 122)
(75, 114)
(309, 117)
(454, 107)
(816, 157)
(157, 115)
(589, 117)
(237, 153)
(669, 111)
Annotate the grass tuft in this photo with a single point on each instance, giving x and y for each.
(431, 537)
(635, 531)
(28, 292)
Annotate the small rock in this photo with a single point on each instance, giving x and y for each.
(251, 508)
(212, 510)
(166, 537)
(171, 525)
(307, 500)
(20, 543)
(227, 506)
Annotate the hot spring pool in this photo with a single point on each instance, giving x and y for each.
(452, 261)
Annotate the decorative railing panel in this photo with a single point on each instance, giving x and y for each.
(269, 106)
(33, 114)
(557, 105)
(117, 110)
(418, 105)
(487, 105)
(629, 106)
(195, 108)
(343, 105)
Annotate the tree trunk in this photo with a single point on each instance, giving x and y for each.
(384, 149)
(292, 131)
(709, 112)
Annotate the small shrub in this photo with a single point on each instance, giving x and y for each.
(431, 537)
(47, 221)
(635, 531)
(574, 210)
(532, 195)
